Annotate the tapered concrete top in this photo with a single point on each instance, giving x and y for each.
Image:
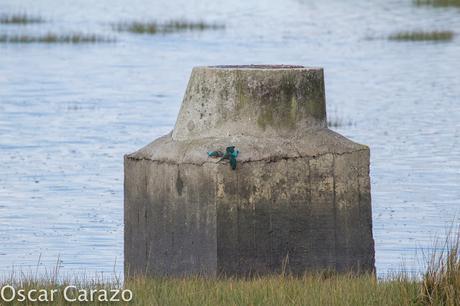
(251, 100)
(267, 111)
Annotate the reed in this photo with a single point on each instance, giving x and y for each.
(441, 282)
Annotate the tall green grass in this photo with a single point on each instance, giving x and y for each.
(439, 285)
(275, 290)
(268, 290)
(441, 281)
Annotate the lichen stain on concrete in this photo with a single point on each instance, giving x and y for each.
(204, 89)
(220, 190)
(241, 93)
(179, 184)
(265, 118)
(294, 107)
(278, 101)
(313, 88)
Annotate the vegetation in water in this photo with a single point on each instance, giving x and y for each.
(172, 26)
(337, 122)
(438, 3)
(50, 38)
(20, 19)
(422, 36)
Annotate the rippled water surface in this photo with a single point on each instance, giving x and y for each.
(68, 113)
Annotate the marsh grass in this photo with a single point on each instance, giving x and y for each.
(314, 289)
(436, 36)
(438, 3)
(274, 290)
(441, 281)
(172, 26)
(439, 285)
(21, 19)
(50, 38)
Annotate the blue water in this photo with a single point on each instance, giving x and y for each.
(68, 113)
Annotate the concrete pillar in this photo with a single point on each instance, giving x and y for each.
(299, 199)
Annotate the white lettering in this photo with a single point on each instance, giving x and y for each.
(13, 293)
(53, 291)
(130, 295)
(83, 295)
(29, 295)
(43, 295)
(114, 298)
(66, 297)
(103, 296)
(22, 296)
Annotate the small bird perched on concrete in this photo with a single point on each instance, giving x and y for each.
(230, 154)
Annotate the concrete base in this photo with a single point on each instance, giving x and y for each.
(298, 201)
(288, 209)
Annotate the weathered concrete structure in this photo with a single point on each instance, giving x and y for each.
(299, 198)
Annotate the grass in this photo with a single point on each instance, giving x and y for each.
(422, 36)
(20, 19)
(438, 3)
(441, 281)
(439, 285)
(50, 38)
(172, 26)
(275, 290)
(314, 289)
(317, 289)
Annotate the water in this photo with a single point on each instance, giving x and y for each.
(68, 113)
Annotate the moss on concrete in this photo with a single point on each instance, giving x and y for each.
(256, 100)
(242, 99)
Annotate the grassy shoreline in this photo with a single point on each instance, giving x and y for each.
(317, 289)
(439, 285)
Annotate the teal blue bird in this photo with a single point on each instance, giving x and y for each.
(230, 153)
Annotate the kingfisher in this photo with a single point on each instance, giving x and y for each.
(230, 153)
